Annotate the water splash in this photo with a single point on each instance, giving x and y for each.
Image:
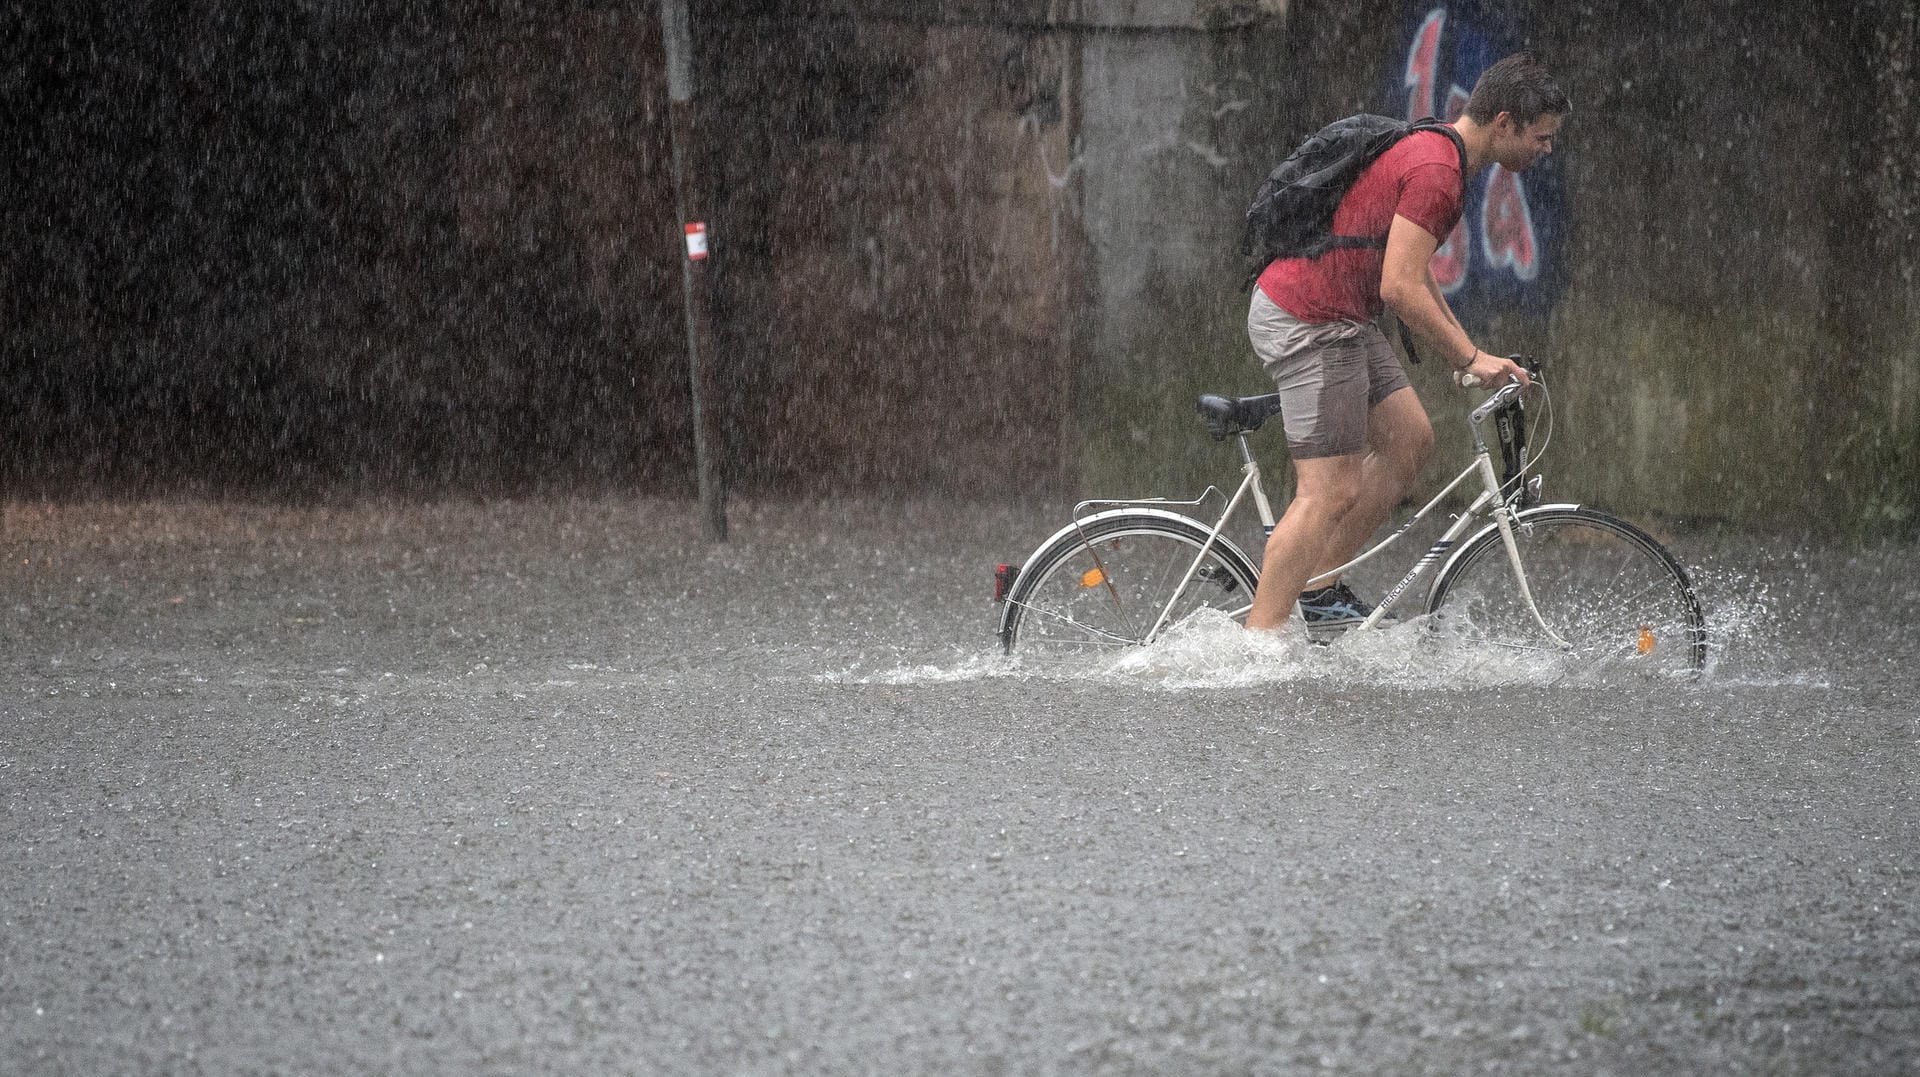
(1751, 642)
(1773, 613)
(1210, 650)
(970, 668)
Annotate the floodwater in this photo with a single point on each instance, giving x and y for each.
(556, 787)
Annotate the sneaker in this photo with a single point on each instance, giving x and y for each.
(1332, 609)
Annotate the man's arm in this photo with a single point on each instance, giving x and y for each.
(1407, 285)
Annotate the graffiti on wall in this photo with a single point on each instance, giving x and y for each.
(1505, 253)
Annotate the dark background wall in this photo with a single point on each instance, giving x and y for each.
(297, 247)
(897, 276)
(315, 249)
(1743, 268)
(324, 249)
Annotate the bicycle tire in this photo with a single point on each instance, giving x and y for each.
(1099, 585)
(1608, 588)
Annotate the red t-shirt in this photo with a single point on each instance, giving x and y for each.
(1419, 179)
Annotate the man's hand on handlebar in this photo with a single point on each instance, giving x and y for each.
(1490, 370)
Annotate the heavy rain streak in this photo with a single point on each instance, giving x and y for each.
(549, 537)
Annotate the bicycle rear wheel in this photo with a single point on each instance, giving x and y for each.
(1607, 588)
(1100, 586)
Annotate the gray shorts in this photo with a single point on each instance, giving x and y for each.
(1330, 375)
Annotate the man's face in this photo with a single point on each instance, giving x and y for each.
(1519, 148)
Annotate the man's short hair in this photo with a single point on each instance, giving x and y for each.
(1520, 86)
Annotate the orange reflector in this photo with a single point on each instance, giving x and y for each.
(1092, 577)
(1645, 646)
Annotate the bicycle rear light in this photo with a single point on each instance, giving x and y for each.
(1003, 580)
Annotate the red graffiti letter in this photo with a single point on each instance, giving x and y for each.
(1423, 65)
(1506, 226)
(1450, 262)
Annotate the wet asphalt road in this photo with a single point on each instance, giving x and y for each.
(554, 787)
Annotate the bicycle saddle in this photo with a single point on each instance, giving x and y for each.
(1226, 415)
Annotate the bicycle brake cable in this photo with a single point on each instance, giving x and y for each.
(1531, 467)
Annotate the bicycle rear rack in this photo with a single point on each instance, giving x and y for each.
(1214, 492)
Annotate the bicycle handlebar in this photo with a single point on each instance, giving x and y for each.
(1527, 363)
(1505, 394)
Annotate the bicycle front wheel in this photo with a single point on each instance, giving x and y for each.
(1610, 592)
(1102, 585)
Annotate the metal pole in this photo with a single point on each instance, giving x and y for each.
(676, 35)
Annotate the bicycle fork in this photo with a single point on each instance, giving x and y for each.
(1503, 519)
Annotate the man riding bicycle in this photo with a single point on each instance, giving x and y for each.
(1356, 431)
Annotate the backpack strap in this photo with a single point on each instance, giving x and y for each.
(1339, 242)
(1460, 144)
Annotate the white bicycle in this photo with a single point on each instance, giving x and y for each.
(1560, 580)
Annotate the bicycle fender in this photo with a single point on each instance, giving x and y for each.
(1473, 540)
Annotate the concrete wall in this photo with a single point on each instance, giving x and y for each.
(1008, 258)
(900, 256)
(1169, 157)
(975, 245)
(1742, 315)
(1738, 337)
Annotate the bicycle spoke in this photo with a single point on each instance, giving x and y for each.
(1110, 581)
(1598, 583)
(1120, 641)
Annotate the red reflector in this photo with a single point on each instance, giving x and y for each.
(1003, 580)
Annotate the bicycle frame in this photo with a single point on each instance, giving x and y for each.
(1490, 495)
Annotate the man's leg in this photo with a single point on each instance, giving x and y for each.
(1324, 493)
(1401, 440)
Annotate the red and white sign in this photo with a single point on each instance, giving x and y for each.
(697, 240)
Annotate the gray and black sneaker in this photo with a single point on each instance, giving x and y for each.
(1332, 610)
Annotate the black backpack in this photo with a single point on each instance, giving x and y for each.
(1292, 214)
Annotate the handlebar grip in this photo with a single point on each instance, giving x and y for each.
(1525, 362)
